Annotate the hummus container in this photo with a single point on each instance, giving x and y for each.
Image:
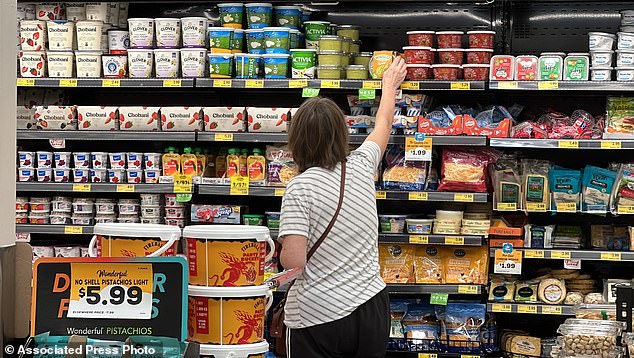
(151, 211)
(26, 159)
(193, 62)
(362, 59)
(89, 35)
(625, 40)
(601, 57)
(81, 160)
(350, 31)
(576, 68)
(259, 15)
(49, 11)
(81, 175)
(480, 56)
(134, 160)
(418, 55)
(331, 43)
(481, 39)
(303, 63)
(392, 224)
(275, 65)
(140, 63)
(150, 199)
(117, 160)
(32, 35)
(355, 47)
(329, 72)
(255, 350)
(451, 56)
(61, 35)
(32, 63)
(254, 39)
(152, 160)
(446, 72)
(62, 160)
(247, 65)
(330, 58)
(97, 11)
(194, 31)
(357, 72)
(99, 160)
(220, 39)
(98, 175)
(601, 41)
(118, 42)
(75, 11)
(273, 219)
(135, 176)
(624, 58)
(475, 72)
(219, 315)
(167, 63)
(88, 64)
(115, 66)
(26, 174)
(314, 30)
(449, 39)
(231, 14)
(44, 174)
(135, 240)
(419, 226)
(550, 68)
(141, 31)
(219, 65)
(253, 219)
(503, 67)
(116, 176)
(237, 44)
(152, 176)
(168, 32)
(288, 16)
(44, 159)
(276, 40)
(625, 73)
(60, 64)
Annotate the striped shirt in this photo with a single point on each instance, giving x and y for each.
(344, 272)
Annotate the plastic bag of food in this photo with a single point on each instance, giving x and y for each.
(460, 326)
(623, 193)
(397, 263)
(428, 265)
(465, 169)
(597, 186)
(506, 179)
(421, 327)
(565, 186)
(280, 168)
(402, 175)
(535, 180)
(465, 265)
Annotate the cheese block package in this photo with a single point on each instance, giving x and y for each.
(465, 265)
(25, 117)
(225, 119)
(97, 118)
(56, 117)
(428, 265)
(181, 119)
(465, 169)
(397, 263)
(420, 327)
(526, 291)
(501, 291)
(268, 120)
(597, 186)
(139, 118)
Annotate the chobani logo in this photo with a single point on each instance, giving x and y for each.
(58, 29)
(32, 58)
(180, 115)
(87, 59)
(87, 29)
(29, 29)
(53, 117)
(267, 116)
(138, 115)
(96, 115)
(223, 115)
(58, 59)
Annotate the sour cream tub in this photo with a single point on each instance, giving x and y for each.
(601, 57)
(419, 226)
(168, 32)
(624, 58)
(167, 63)
(625, 40)
(88, 63)
(194, 31)
(61, 35)
(32, 35)
(115, 66)
(228, 315)
(141, 32)
(118, 42)
(227, 255)
(193, 61)
(625, 73)
(601, 73)
(254, 350)
(601, 41)
(60, 64)
(140, 63)
(118, 240)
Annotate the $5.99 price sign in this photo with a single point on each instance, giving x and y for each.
(112, 291)
(418, 148)
(508, 261)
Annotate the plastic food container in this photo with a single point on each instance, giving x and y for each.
(475, 72)
(167, 63)
(419, 226)
(194, 31)
(625, 40)
(357, 72)
(168, 32)
(481, 39)
(275, 65)
(314, 30)
(151, 211)
(175, 222)
(99, 160)
(21, 218)
(145, 220)
(116, 176)
(255, 41)
(625, 73)
(217, 313)
(392, 224)
(288, 16)
(259, 15)
(61, 175)
(32, 35)
(273, 219)
(117, 160)
(451, 56)
(254, 350)
(481, 56)
(329, 72)
(193, 62)
(150, 199)
(134, 176)
(601, 58)
(601, 41)
(576, 68)
(624, 58)
(220, 39)
(141, 63)
(550, 68)
(60, 219)
(449, 39)
(39, 220)
(331, 43)
(26, 159)
(117, 240)
(61, 206)
(128, 219)
(105, 219)
(276, 40)
(44, 174)
(151, 176)
(247, 65)
(44, 159)
(329, 58)
(253, 219)
(115, 66)
(231, 14)
(134, 160)
(418, 72)
(175, 212)
(81, 160)
(60, 64)
(89, 35)
(419, 55)
(48, 11)
(237, 44)
(421, 38)
(61, 35)
(141, 31)
(446, 72)
(219, 65)
(152, 160)
(26, 174)
(350, 31)
(105, 208)
(362, 59)
(88, 64)
(21, 204)
(97, 11)
(32, 63)
(85, 207)
(118, 42)
(98, 175)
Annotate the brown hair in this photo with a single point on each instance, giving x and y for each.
(318, 135)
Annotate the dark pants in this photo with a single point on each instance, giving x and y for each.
(362, 334)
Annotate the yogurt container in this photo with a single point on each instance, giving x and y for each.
(134, 160)
(314, 30)
(247, 65)
(167, 63)
(115, 66)
(117, 160)
(105, 219)
(44, 159)
(152, 176)
(113, 13)
(60, 219)
(194, 31)
(550, 68)
(170, 201)
(98, 175)
(105, 41)
(32, 63)
(140, 63)
(99, 160)
(62, 159)
(88, 64)
(231, 14)
(116, 176)
(627, 17)
(219, 65)
(141, 32)
(419, 226)
(625, 40)
(392, 224)
(288, 16)
(168, 32)
(81, 175)
(49, 11)
(601, 41)
(60, 64)
(449, 39)
(61, 35)
(276, 40)
(259, 15)
(81, 160)
(151, 211)
(44, 174)
(220, 39)
(193, 62)
(625, 73)
(26, 174)
(175, 212)
(123, 15)
(89, 35)
(32, 35)
(152, 160)
(237, 44)
(135, 176)
(75, 11)
(39, 220)
(146, 220)
(295, 43)
(275, 65)
(624, 58)
(601, 57)
(273, 219)
(118, 42)
(26, 159)
(303, 63)
(255, 41)
(97, 11)
(61, 175)
(150, 199)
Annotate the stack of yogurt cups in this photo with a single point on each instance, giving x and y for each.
(151, 210)
(105, 209)
(62, 207)
(128, 211)
(175, 212)
(603, 56)
(83, 211)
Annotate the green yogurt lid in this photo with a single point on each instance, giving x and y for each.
(276, 55)
(317, 22)
(356, 67)
(253, 216)
(331, 37)
(303, 50)
(349, 27)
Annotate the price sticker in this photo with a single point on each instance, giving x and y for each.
(330, 84)
(125, 188)
(172, 83)
(534, 254)
(371, 85)
(297, 83)
(507, 85)
(418, 196)
(561, 255)
(223, 83)
(460, 86)
(611, 144)
(419, 239)
(310, 92)
(254, 84)
(454, 240)
(419, 150)
(183, 184)
(410, 85)
(73, 230)
(501, 308)
(25, 82)
(280, 192)
(110, 83)
(427, 355)
(611, 256)
(239, 185)
(439, 299)
(507, 206)
(507, 260)
(551, 310)
(568, 144)
(367, 93)
(381, 195)
(223, 137)
(532, 309)
(81, 188)
(118, 291)
(566, 207)
(469, 356)
(572, 264)
(625, 210)
(547, 85)
(68, 83)
(536, 207)
(463, 197)
(468, 289)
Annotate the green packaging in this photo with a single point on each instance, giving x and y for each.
(303, 63)
(550, 68)
(314, 30)
(220, 38)
(576, 68)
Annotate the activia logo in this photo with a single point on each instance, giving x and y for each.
(302, 59)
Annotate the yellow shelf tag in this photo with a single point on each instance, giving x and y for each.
(468, 289)
(427, 355)
(566, 207)
(409, 85)
(125, 188)
(223, 83)
(183, 184)
(371, 85)
(507, 206)
(110, 83)
(82, 188)
(611, 144)
(454, 240)
(172, 83)
(527, 309)
(239, 185)
(568, 144)
(562, 255)
(463, 197)
(551, 310)
(25, 82)
(280, 192)
(297, 83)
(381, 195)
(419, 239)
(417, 195)
(507, 85)
(73, 230)
(68, 83)
(534, 254)
(254, 84)
(536, 206)
(499, 307)
(611, 256)
(547, 85)
(330, 84)
(460, 86)
(625, 210)
(223, 137)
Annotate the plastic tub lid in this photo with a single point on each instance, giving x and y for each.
(329, 67)
(248, 31)
(601, 68)
(317, 22)
(450, 33)
(356, 67)
(194, 18)
(276, 55)
(479, 50)
(132, 18)
(244, 291)
(230, 4)
(393, 216)
(250, 55)
(276, 28)
(288, 7)
(579, 54)
(420, 65)
(221, 29)
(625, 33)
(164, 232)
(480, 32)
(330, 52)
(626, 51)
(167, 19)
(420, 32)
(601, 34)
(331, 37)
(267, 4)
(627, 68)
(440, 65)
(233, 350)
(418, 48)
(450, 49)
(352, 27)
(226, 232)
(420, 220)
(475, 65)
(303, 50)
(210, 54)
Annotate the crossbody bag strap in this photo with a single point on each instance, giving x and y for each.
(334, 218)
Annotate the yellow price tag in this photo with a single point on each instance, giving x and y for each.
(239, 185)
(330, 84)
(280, 192)
(223, 83)
(297, 83)
(468, 356)
(499, 307)
(566, 207)
(611, 144)
(534, 254)
(73, 230)
(125, 188)
(551, 310)
(562, 255)
(409, 85)
(25, 82)
(460, 86)
(427, 355)
(223, 137)
(468, 289)
(454, 240)
(611, 256)
(463, 197)
(371, 85)
(625, 210)
(183, 184)
(68, 83)
(547, 85)
(527, 309)
(507, 206)
(568, 144)
(417, 195)
(507, 85)
(419, 239)
(536, 206)
(254, 84)
(82, 188)
(172, 83)
(381, 195)
(110, 83)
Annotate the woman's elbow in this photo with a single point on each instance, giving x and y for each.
(293, 253)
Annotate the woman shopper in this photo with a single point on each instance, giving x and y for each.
(339, 306)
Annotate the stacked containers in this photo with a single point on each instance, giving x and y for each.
(227, 301)
(151, 210)
(134, 240)
(175, 211)
(337, 52)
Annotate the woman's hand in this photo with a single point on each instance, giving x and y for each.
(394, 75)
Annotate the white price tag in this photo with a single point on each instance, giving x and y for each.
(572, 264)
(57, 143)
(508, 261)
(418, 148)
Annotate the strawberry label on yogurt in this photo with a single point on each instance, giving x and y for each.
(224, 119)
(32, 64)
(55, 118)
(139, 118)
(32, 35)
(181, 118)
(271, 120)
(25, 118)
(96, 118)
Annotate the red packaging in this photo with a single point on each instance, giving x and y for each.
(481, 39)
(475, 72)
(526, 68)
(419, 55)
(421, 38)
(449, 39)
(502, 67)
(451, 56)
(446, 72)
(470, 127)
(426, 126)
(479, 56)
(465, 169)
(418, 72)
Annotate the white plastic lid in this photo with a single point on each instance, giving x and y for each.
(303, 50)
(133, 50)
(480, 32)
(441, 66)
(393, 216)
(449, 33)
(278, 28)
(267, 4)
(226, 232)
(417, 65)
(193, 18)
(167, 19)
(625, 33)
(232, 292)
(248, 31)
(230, 4)
(625, 68)
(601, 68)
(418, 48)
(276, 55)
(288, 7)
(579, 54)
(233, 350)
(134, 19)
(421, 32)
(601, 34)
(164, 232)
(316, 22)
(479, 50)
(475, 65)
(247, 55)
(231, 29)
(625, 51)
(167, 50)
(450, 50)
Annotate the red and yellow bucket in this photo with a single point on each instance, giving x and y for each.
(227, 255)
(255, 350)
(134, 240)
(227, 315)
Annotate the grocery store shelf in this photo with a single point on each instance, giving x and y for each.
(93, 187)
(208, 189)
(433, 196)
(79, 135)
(558, 310)
(422, 288)
(430, 239)
(588, 255)
(562, 85)
(54, 229)
(105, 82)
(562, 143)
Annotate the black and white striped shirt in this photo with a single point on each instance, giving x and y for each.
(344, 272)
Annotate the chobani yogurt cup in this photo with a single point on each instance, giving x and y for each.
(140, 63)
(60, 64)
(32, 63)
(166, 63)
(259, 15)
(193, 61)
(231, 14)
(60, 35)
(75, 11)
(115, 66)
(88, 63)
(141, 32)
(275, 65)
(89, 35)
(168, 32)
(49, 11)
(97, 11)
(118, 42)
(194, 31)
(32, 35)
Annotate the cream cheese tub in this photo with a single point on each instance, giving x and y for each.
(168, 32)
(61, 35)
(32, 63)
(194, 31)
(140, 63)
(134, 240)
(115, 66)
(32, 35)
(141, 32)
(88, 64)
(227, 255)
(166, 63)
(254, 350)
(118, 42)
(193, 62)
(60, 64)
(227, 315)
(89, 35)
